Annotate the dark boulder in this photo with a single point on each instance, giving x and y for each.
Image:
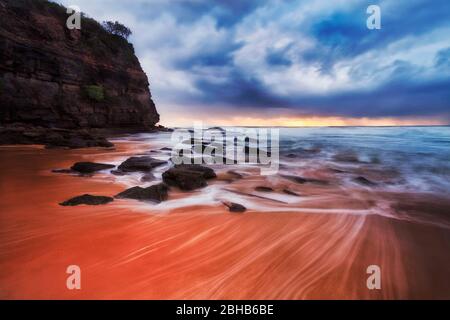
(87, 199)
(90, 167)
(235, 207)
(141, 164)
(206, 172)
(183, 179)
(155, 193)
(188, 176)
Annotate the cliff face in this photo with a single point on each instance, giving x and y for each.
(51, 76)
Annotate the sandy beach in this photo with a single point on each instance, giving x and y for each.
(129, 251)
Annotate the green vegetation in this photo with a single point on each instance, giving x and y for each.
(117, 28)
(94, 92)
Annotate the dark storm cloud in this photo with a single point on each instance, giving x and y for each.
(343, 34)
(315, 57)
(394, 99)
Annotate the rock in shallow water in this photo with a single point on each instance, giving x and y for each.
(140, 164)
(155, 193)
(87, 199)
(188, 177)
(235, 207)
(301, 180)
(364, 181)
(147, 177)
(206, 172)
(90, 167)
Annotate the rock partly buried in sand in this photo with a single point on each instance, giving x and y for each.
(263, 189)
(188, 176)
(301, 180)
(140, 164)
(291, 193)
(235, 207)
(155, 193)
(90, 167)
(87, 199)
(364, 181)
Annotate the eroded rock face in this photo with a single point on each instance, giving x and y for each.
(51, 137)
(51, 76)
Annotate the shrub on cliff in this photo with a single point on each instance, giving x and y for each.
(117, 28)
(94, 93)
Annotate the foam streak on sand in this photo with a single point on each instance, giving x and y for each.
(314, 242)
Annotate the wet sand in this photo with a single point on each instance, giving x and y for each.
(205, 252)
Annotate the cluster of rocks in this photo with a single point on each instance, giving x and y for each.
(219, 150)
(185, 177)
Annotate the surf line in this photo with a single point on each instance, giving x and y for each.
(193, 310)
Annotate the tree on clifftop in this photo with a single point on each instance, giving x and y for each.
(117, 28)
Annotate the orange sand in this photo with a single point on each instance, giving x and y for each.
(197, 252)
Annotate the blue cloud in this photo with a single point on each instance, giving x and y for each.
(309, 56)
(278, 57)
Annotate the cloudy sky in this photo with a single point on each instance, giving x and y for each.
(289, 62)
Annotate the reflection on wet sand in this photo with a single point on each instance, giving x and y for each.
(315, 242)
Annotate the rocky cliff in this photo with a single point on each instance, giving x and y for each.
(53, 77)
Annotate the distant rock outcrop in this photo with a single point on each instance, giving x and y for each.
(53, 77)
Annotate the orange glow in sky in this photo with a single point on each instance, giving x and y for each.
(287, 121)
